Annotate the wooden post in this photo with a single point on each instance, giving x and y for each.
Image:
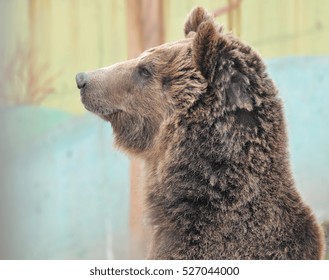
(238, 20)
(145, 30)
(233, 11)
(31, 50)
(230, 16)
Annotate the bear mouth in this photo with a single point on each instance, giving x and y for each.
(95, 106)
(102, 112)
(109, 114)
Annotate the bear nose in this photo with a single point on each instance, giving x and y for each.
(81, 79)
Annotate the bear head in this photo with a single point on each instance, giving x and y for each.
(207, 66)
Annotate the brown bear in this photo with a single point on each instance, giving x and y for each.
(207, 121)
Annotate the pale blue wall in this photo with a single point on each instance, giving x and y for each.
(303, 84)
(64, 190)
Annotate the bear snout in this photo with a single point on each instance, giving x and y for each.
(81, 80)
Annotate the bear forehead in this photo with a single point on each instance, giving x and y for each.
(166, 49)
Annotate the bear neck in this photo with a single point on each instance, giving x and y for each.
(202, 168)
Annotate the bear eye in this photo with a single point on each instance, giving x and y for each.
(144, 72)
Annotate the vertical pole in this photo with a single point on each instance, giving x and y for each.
(135, 47)
(152, 21)
(230, 15)
(145, 30)
(134, 26)
(238, 19)
(31, 50)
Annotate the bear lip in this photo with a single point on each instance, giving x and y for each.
(107, 113)
(93, 107)
(102, 113)
(113, 111)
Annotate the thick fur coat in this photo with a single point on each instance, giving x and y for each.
(206, 118)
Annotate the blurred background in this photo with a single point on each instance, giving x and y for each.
(65, 192)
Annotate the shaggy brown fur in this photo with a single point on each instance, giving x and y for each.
(206, 118)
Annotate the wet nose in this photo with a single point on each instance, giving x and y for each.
(81, 79)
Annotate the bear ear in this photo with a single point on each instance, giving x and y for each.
(204, 49)
(208, 58)
(196, 17)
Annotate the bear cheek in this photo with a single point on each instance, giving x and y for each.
(117, 93)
